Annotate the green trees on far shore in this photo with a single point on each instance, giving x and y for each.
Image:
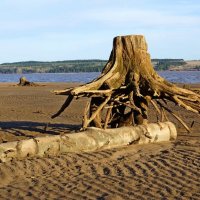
(165, 64)
(53, 67)
(71, 66)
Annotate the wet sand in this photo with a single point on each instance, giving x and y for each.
(168, 170)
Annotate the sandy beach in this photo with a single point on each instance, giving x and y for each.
(167, 170)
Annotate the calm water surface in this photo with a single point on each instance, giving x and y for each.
(172, 76)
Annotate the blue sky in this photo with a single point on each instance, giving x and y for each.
(48, 30)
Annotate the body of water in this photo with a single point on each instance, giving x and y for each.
(172, 76)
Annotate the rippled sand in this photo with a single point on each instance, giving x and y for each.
(154, 171)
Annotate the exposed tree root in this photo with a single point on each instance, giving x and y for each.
(127, 85)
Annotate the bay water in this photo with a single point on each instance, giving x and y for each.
(172, 76)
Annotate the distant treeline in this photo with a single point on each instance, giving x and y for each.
(53, 67)
(197, 68)
(165, 64)
(75, 66)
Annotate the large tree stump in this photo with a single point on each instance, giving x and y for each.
(127, 85)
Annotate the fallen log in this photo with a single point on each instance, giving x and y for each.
(92, 139)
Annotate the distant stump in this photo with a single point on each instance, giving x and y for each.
(24, 82)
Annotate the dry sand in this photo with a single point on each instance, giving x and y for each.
(169, 170)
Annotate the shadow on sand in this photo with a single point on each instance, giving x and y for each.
(29, 129)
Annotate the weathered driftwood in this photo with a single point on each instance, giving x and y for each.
(92, 139)
(126, 87)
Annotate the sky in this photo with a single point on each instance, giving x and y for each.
(50, 30)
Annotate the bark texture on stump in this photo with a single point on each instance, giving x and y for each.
(127, 85)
